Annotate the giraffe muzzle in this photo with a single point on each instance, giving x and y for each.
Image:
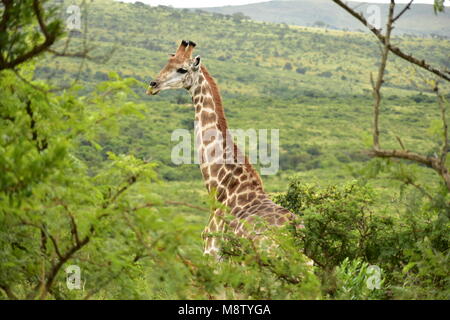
(152, 89)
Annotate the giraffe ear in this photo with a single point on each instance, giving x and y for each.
(196, 63)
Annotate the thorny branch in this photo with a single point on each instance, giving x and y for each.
(406, 8)
(377, 85)
(436, 163)
(395, 50)
(49, 37)
(41, 144)
(442, 106)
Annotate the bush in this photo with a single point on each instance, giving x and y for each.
(344, 234)
(356, 280)
(337, 219)
(301, 70)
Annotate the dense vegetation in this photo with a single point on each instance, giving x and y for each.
(87, 177)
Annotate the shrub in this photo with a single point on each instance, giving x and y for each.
(344, 234)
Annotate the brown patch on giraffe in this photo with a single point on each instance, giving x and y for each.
(242, 199)
(214, 168)
(248, 205)
(221, 174)
(251, 196)
(221, 194)
(212, 154)
(226, 179)
(208, 102)
(235, 210)
(243, 187)
(232, 202)
(230, 167)
(271, 219)
(208, 117)
(243, 178)
(238, 171)
(243, 214)
(234, 183)
(197, 91)
(210, 138)
(205, 173)
(253, 209)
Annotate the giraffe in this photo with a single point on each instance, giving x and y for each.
(236, 185)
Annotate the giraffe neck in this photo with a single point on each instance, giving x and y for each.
(223, 167)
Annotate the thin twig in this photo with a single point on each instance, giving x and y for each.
(395, 50)
(186, 205)
(400, 142)
(380, 78)
(442, 106)
(9, 293)
(406, 8)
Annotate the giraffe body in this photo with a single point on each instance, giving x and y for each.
(225, 170)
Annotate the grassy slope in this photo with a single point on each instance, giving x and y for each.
(324, 119)
(420, 19)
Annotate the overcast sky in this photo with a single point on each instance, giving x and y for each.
(218, 3)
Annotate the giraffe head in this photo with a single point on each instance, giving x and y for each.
(179, 72)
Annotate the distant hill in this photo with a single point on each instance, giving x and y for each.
(420, 19)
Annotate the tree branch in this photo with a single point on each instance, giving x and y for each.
(132, 180)
(186, 205)
(63, 259)
(430, 162)
(376, 86)
(8, 292)
(41, 144)
(406, 8)
(442, 106)
(437, 164)
(50, 37)
(395, 50)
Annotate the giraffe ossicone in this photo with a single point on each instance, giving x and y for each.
(236, 184)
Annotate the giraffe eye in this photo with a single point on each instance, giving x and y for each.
(181, 70)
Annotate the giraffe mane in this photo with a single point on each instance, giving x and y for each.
(222, 121)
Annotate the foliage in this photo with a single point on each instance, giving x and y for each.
(52, 210)
(345, 233)
(338, 221)
(87, 178)
(26, 30)
(353, 277)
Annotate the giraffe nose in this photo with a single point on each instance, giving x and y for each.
(153, 84)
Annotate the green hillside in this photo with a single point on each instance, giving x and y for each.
(313, 83)
(420, 19)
